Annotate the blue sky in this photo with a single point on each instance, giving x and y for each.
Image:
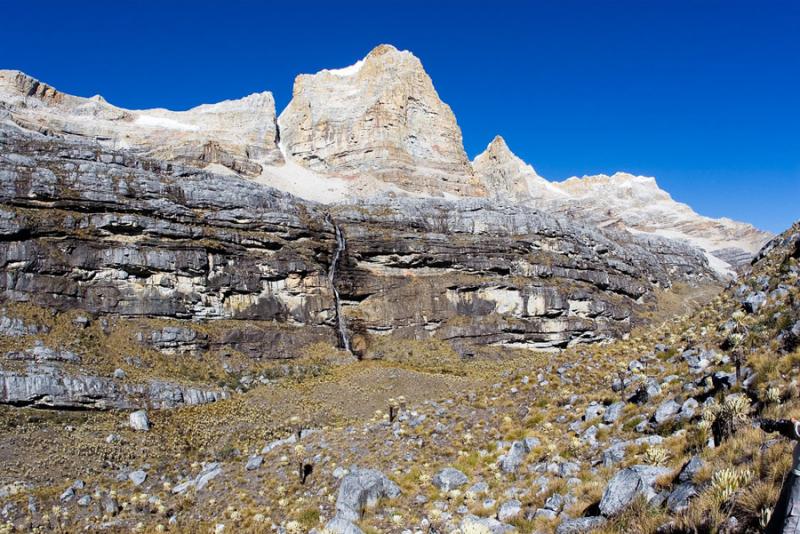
(703, 95)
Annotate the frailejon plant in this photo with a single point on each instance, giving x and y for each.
(726, 482)
(656, 456)
(729, 417)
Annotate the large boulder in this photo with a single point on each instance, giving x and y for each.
(449, 478)
(579, 525)
(666, 411)
(753, 302)
(139, 420)
(511, 461)
(613, 412)
(361, 489)
(629, 484)
(678, 499)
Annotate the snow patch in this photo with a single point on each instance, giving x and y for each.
(347, 71)
(163, 122)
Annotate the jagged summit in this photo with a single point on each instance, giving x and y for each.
(372, 57)
(506, 176)
(623, 201)
(381, 117)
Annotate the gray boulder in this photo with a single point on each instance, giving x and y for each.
(254, 462)
(613, 412)
(666, 411)
(509, 510)
(688, 408)
(593, 411)
(511, 461)
(690, 469)
(209, 472)
(271, 446)
(449, 478)
(545, 513)
(678, 500)
(579, 525)
(754, 301)
(137, 477)
(628, 484)
(139, 420)
(361, 489)
(555, 503)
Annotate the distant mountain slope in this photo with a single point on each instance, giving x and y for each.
(621, 201)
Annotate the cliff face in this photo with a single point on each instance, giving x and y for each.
(115, 235)
(382, 118)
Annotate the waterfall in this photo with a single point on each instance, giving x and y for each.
(341, 245)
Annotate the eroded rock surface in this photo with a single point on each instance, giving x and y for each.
(240, 135)
(381, 117)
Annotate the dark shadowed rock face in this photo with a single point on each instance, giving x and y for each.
(82, 227)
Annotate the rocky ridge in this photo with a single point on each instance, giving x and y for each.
(622, 201)
(240, 135)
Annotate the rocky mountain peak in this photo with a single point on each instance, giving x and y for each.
(380, 117)
(504, 175)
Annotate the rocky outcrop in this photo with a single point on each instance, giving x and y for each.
(360, 489)
(240, 135)
(381, 117)
(51, 387)
(628, 484)
(475, 272)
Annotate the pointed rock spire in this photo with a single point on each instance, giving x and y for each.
(504, 175)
